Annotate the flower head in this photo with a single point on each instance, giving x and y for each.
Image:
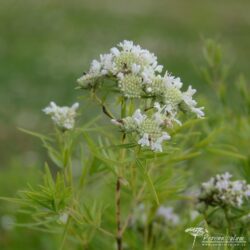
(148, 129)
(222, 191)
(135, 73)
(63, 117)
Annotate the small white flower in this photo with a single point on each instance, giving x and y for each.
(247, 192)
(138, 116)
(115, 51)
(126, 45)
(149, 89)
(157, 145)
(95, 67)
(63, 218)
(167, 213)
(136, 68)
(223, 184)
(159, 68)
(120, 76)
(188, 99)
(107, 62)
(144, 141)
(171, 81)
(63, 117)
(165, 136)
(226, 176)
(237, 186)
(148, 75)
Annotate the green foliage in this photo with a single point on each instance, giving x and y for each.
(76, 199)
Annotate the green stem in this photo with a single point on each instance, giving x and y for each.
(118, 214)
(228, 220)
(105, 109)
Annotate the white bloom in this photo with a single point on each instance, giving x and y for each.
(63, 218)
(208, 186)
(191, 103)
(156, 146)
(149, 89)
(159, 68)
(135, 72)
(148, 75)
(95, 67)
(223, 184)
(120, 76)
(220, 190)
(144, 141)
(226, 176)
(126, 45)
(166, 113)
(138, 116)
(247, 192)
(171, 81)
(167, 213)
(136, 68)
(237, 186)
(63, 117)
(115, 51)
(106, 61)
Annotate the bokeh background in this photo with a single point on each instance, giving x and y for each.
(46, 45)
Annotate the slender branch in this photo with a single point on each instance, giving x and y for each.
(105, 110)
(118, 186)
(118, 214)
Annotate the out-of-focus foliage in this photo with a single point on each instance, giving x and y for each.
(44, 45)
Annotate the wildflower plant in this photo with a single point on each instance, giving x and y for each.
(150, 103)
(150, 129)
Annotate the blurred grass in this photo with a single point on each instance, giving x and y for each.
(46, 45)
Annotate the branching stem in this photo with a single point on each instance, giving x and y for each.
(118, 214)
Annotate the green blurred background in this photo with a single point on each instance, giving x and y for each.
(46, 45)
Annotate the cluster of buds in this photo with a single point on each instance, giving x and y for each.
(135, 73)
(63, 117)
(222, 191)
(148, 129)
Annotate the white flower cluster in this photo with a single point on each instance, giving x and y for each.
(221, 191)
(63, 117)
(168, 215)
(137, 74)
(149, 129)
